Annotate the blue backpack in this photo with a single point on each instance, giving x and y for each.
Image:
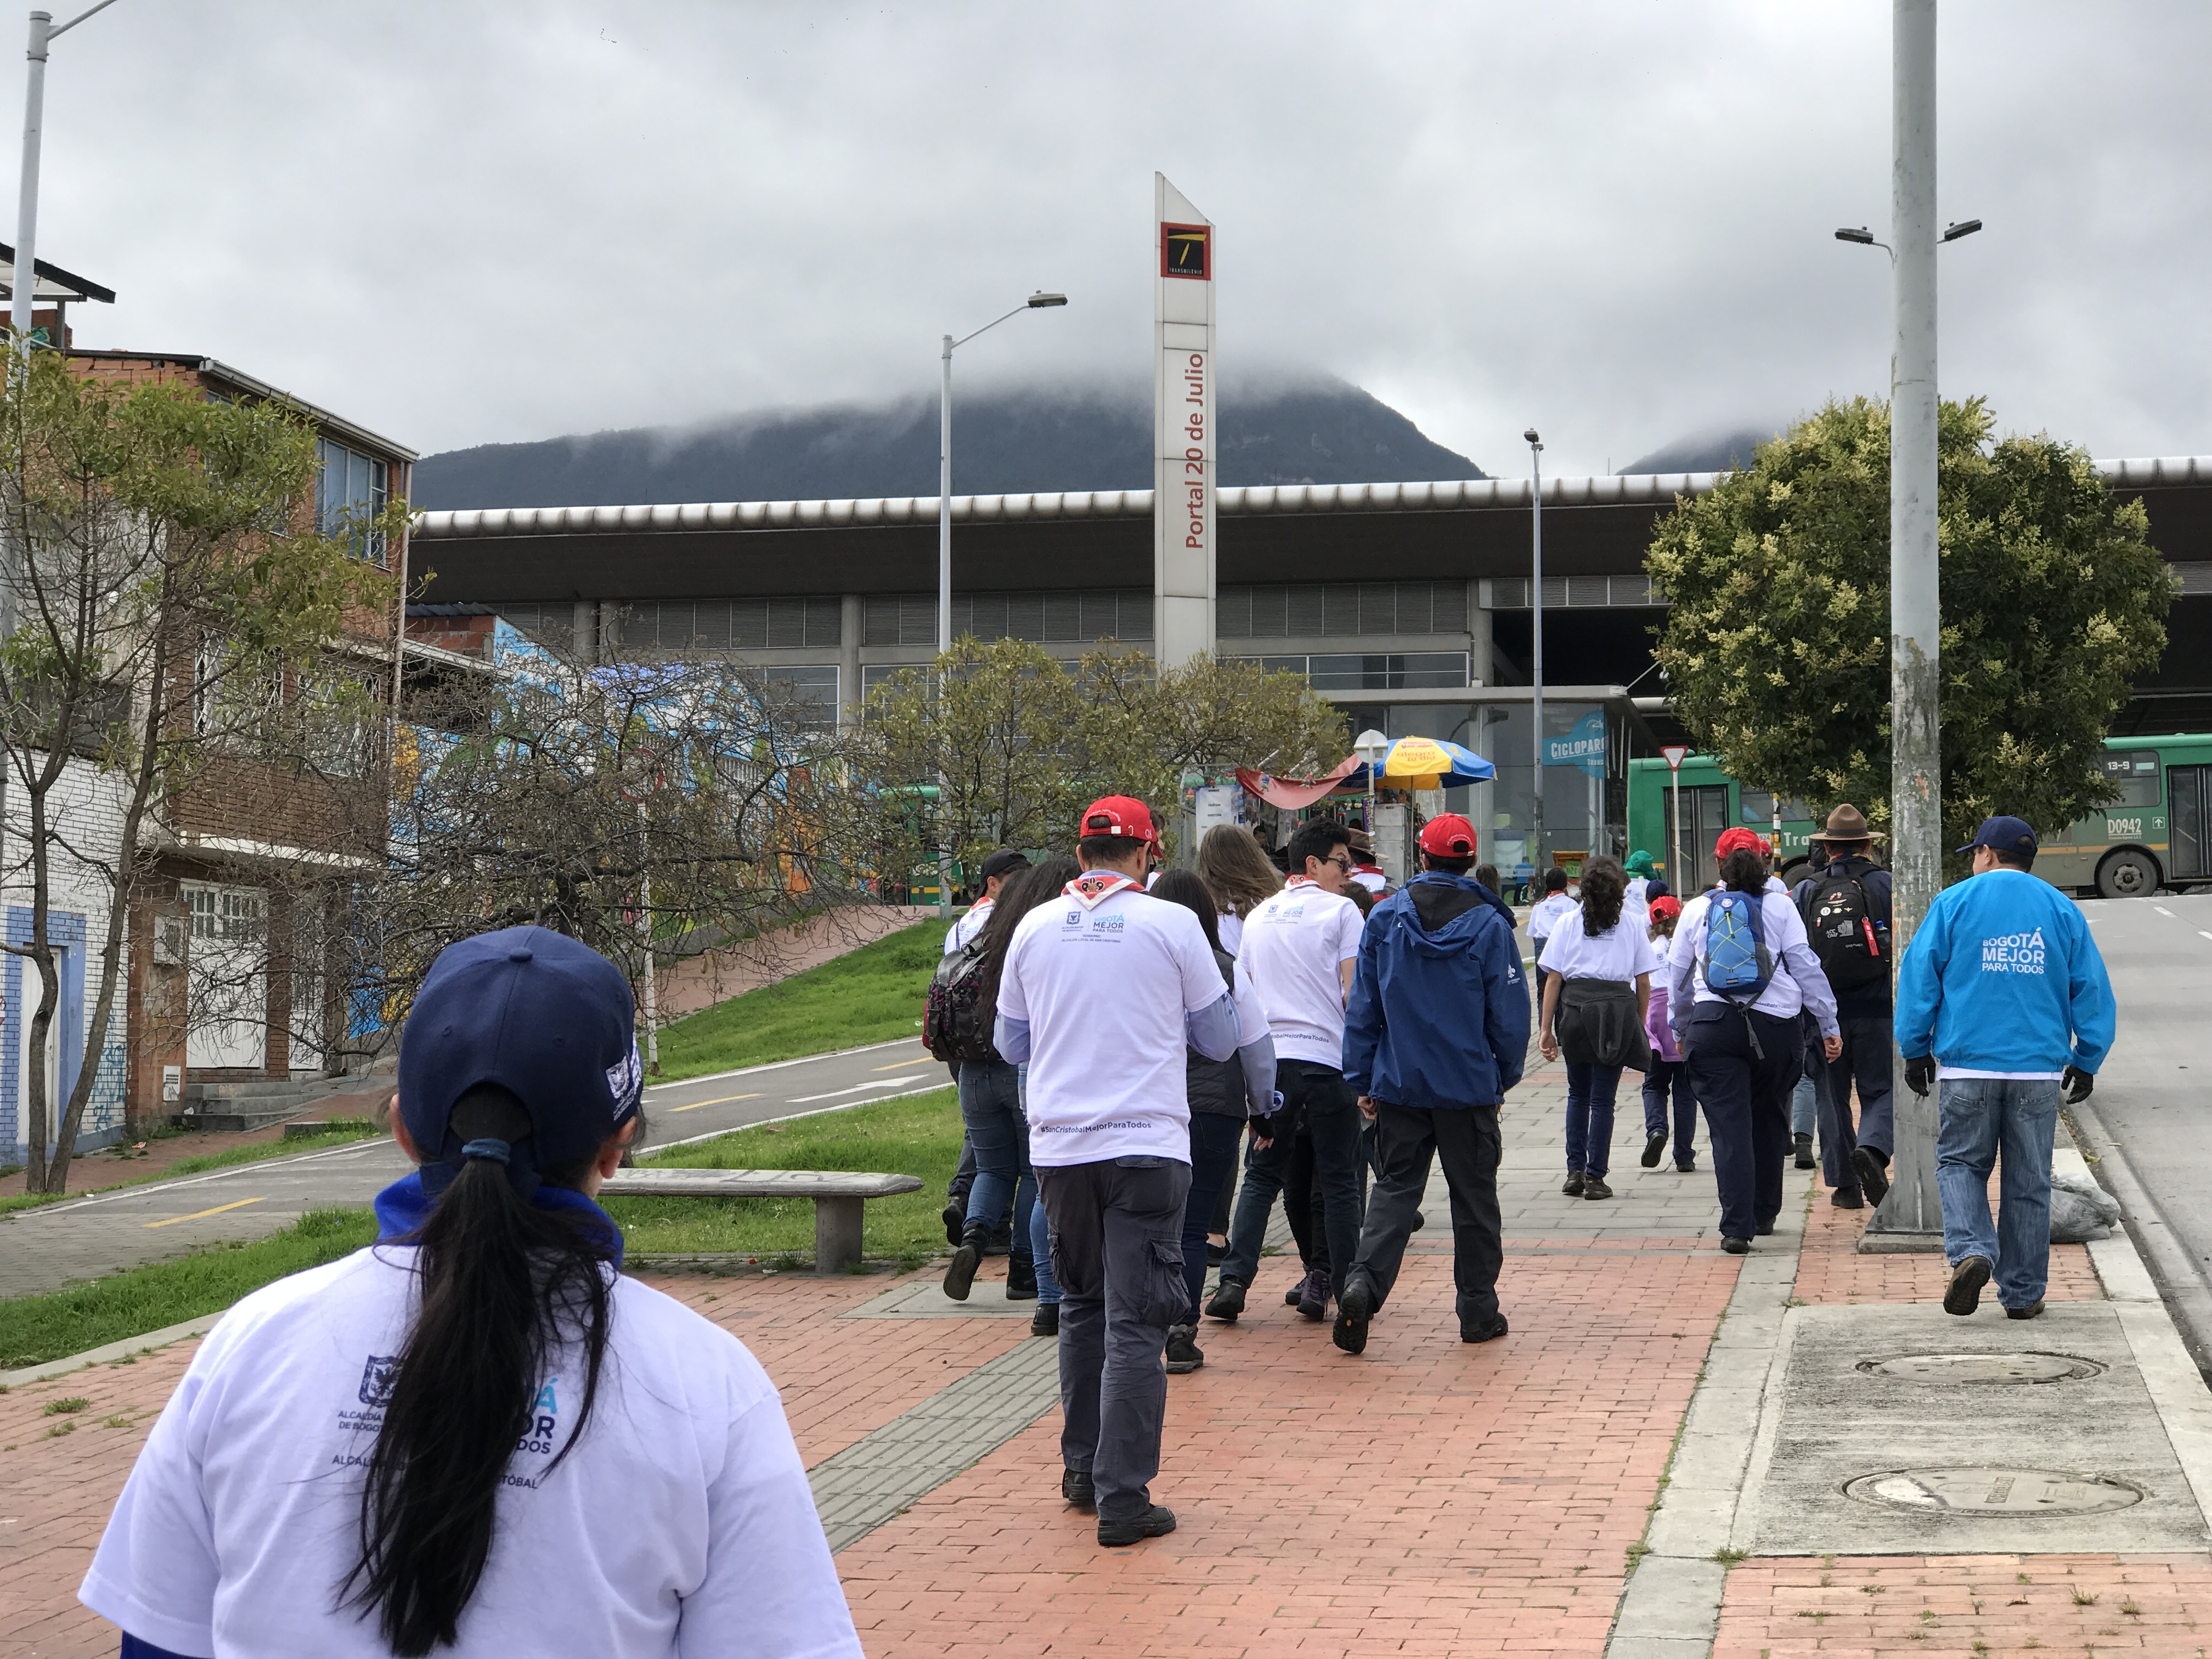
(1737, 964)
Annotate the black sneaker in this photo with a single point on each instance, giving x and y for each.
(2032, 1311)
(1765, 1229)
(1354, 1310)
(955, 1219)
(1690, 1168)
(1021, 1278)
(1154, 1522)
(1228, 1301)
(1594, 1186)
(1183, 1353)
(960, 1272)
(1846, 1198)
(1045, 1321)
(1076, 1486)
(1654, 1145)
(1736, 1246)
(1480, 1332)
(1873, 1173)
(1419, 1222)
(1964, 1294)
(1804, 1151)
(1313, 1295)
(1572, 1186)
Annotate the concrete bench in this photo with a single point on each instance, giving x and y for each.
(839, 1196)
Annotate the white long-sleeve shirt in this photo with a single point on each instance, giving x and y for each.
(1798, 982)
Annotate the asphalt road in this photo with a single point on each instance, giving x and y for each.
(42, 1250)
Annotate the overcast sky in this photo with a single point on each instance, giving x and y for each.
(483, 221)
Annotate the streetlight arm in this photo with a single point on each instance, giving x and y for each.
(65, 27)
(952, 344)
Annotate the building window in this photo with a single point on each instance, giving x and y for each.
(1397, 671)
(809, 691)
(1305, 609)
(350, 487)
(225, 913)
(1069, 616)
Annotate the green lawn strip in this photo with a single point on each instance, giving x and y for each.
(919, 1135)
(869, 996)
(251, 1152)
(36, 1328)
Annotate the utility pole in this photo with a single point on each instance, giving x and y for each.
(1912, 1216)
(1536, 656)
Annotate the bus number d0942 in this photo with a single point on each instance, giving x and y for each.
(2119, 828)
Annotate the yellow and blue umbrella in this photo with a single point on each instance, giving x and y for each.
(1430, 763)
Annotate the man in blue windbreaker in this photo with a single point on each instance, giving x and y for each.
(2003, 998)
(1435, 1032)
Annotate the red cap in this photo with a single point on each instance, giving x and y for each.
(1119, 815)
(1448, 836)
(1738, 840)
(1666, 905)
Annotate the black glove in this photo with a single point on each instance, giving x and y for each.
(2077, 1084)
(1920, 1074)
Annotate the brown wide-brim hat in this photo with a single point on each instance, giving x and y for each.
(1846, 823)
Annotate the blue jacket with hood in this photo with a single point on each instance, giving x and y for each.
(1438, 1014)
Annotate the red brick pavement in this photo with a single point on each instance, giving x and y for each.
(1830, 1269)
(1971, 1606)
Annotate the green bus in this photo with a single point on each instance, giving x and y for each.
(2158, 833)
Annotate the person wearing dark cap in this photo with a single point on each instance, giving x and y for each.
(1435, 1034)
(1845, 905)
(2001, 1001)
(475, 1437)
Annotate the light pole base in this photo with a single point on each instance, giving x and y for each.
(1899, 1243)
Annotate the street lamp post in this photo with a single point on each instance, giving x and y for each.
(1536, 649)
(1039, 300)
(27, 202)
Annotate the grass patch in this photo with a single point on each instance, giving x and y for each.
(869, 996)
(250, 1152)
(36, 1328)
(919, 1135)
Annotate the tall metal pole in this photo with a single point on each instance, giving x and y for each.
(944, 611)
(27, 200)
(1536, 656)
(1916, 802)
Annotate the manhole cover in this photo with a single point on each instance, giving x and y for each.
(1995, 1492)
(1983, 1367)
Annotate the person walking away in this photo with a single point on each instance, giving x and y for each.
(1639, 868)
(1223, 1095)
(1805, 1095)
(1235, 869)
(1300, 947)
(1546, 915)
(1846, 906)
(476, 1436)
(2002, 1002)
(1436, 1033)
(996, 870)
(1668, 1076)
(1102, 991)
(1597, 993)
(1739, 972)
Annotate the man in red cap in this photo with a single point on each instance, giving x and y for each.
(1436, 1032)
(1102, 991)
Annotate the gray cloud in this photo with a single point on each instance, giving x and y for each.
(485, 222)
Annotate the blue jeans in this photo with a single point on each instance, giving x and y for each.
(991, 1107)
(1672, 1077)
(1214, 1140)
(1590, 1090)
(1976, 1117)
(1040, 1233)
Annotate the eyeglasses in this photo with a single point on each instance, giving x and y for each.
(1343, 864)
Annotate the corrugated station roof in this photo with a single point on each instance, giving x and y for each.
(1251, 501)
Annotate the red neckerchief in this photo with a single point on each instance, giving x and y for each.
(1093, 887)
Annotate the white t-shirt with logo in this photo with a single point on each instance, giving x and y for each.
(1548, 912)
(1296, 943)
(961, 931)
(1620, 952)
(680, 1526)
(1104, 992)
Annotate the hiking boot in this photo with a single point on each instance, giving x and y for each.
(1154, 1522)
(960, 1272)
(1846, 1198)
(1419, 1222)
(1354, 1310)
(1482, 1331)
(1228, 1301)
(2032, 1311)
(1076, 1486)
(1295, 1294)
(1045, 1321)
(1690, 1168)
(1594, 1186)
(955, 1222)
(1736, 1246)
(1804, 1151)
(1183, 1353)
(1313, 1295)
(1572, 1186)
(1654, 1145)
(1965, 1292)
(1021, 1278)
(1873, 1171)
(1765, 1229)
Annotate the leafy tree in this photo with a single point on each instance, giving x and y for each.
(1776, 646)
(169, 612)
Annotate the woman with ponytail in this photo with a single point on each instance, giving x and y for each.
(1597, 990)
(475, 1437)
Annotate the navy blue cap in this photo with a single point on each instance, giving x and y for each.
(2002, 835)
(548, 1018)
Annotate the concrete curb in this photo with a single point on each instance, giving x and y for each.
(2171, 1268)
(130, 1347)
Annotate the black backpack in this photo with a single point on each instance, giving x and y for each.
(954, 1027)
(1842, 932)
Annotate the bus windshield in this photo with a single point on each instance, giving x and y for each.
(2135, 772)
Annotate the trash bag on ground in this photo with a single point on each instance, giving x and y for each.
(2081, 1210)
